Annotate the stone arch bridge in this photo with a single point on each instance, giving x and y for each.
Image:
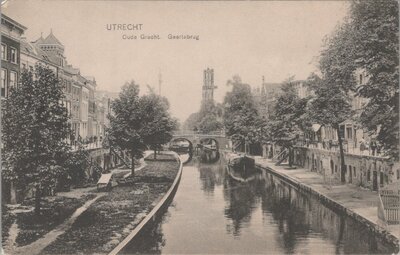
(196, 138)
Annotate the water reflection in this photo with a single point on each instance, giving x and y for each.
(212, 213)
(210, 176)
(241, 200)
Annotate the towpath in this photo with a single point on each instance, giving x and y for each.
(361, 201)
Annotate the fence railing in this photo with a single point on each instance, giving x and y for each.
(391, 205)
(88, 146)
(191, 132)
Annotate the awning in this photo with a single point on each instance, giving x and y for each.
(316, 127)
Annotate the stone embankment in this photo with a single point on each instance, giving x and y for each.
(357, 203)
(156, 212)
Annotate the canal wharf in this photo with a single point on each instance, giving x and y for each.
(356, 202)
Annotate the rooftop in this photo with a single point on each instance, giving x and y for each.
(5, 18)
(33, 50)
(51, 39)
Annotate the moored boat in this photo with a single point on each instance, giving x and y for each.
(242, 162)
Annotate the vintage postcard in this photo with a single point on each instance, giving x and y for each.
(200, 127)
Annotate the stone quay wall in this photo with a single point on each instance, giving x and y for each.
(335, 206)
(367, 171)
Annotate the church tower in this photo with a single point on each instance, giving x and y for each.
(53, 47)
(208, 86)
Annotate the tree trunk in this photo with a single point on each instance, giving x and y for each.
(13, 193)
(37, 201)
(155, 153)
(342, 164)
(290, 151)
(133, 164)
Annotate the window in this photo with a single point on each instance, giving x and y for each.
(349, 131)
(341, 131)
(3, 52)
(354, 171)
(3, 86)
(13, 56)
(24, 66)
(13, 79)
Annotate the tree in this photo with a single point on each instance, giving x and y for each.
(126, 123)
(367, 40)
(210, 123)
(35, 129)
(332, 103)
(208, 119)
(288, 115)
(75, 166)
(159, 125)
(330, 106)
(240, 113)
(376, 28)
(192, 122)
(288, 118)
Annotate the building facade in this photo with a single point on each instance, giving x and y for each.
(79, 90)
(11, 35)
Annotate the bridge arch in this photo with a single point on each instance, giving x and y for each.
(182, 149)
(209, 141)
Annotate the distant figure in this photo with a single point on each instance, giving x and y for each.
(190, 148)
(362, 146)
(373, 147)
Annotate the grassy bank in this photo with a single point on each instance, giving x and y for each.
(159, 157)
(7, 219)
(111, 218)
(55, 210)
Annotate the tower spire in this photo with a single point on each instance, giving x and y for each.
(263, 89)
(159, 82)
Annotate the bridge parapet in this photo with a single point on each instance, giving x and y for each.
(199, 134)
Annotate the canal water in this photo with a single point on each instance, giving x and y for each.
(213, 213)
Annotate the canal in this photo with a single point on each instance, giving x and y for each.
(212, 213)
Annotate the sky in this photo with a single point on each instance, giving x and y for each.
(275, 39)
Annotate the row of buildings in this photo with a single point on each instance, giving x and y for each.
(87, 107)
(318, 150)
(356, 140)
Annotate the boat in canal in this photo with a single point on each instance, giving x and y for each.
(241, 162)
(240, 176)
